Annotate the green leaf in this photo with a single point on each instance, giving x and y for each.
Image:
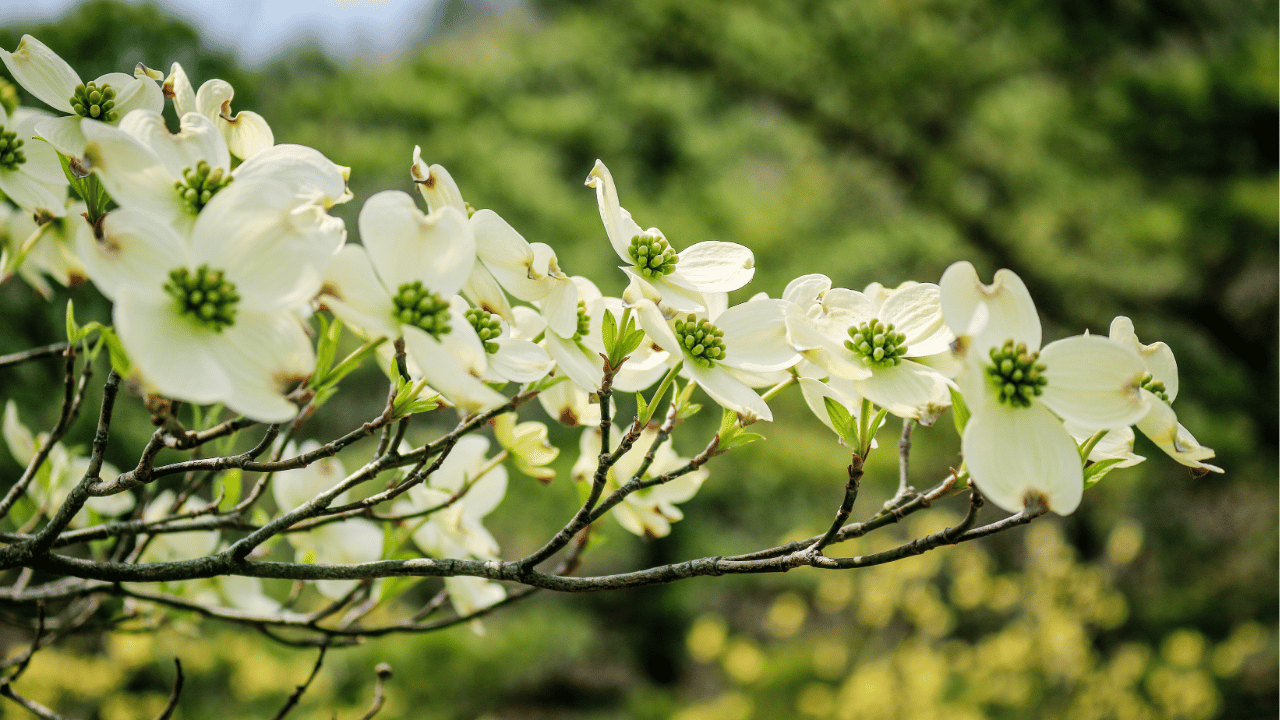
(738, 440)
(73, 330)
(959, 410)
(232, 482)
(684, 408)
(642, 410)
(119, 358)
(1097, 471)
(608, 331)
(326, 349)
(841, 420)
(547, 382)
(632, 341)
(729, 427)
(74, 180)
(871, 429)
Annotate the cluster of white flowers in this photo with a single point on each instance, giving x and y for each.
(216, 247)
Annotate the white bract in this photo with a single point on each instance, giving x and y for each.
(1160, 388)
(107, 99)
(871, 339)
(1016, 448)
(679, 279)
(529, 271)
(246, 133)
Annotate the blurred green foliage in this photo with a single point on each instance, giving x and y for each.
(1121, 157)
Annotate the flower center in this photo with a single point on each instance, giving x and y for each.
(1157, 388)
(1017, 374)
(584, 322)
(205, 296)
(91, 101)
(702, 341)
(11, 155)
(199, 185)
(652, 255)
(421, 308)
(487, 327)
(876, 344)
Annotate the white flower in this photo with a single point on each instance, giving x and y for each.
(169, 547)
(1017, 450)
(456, 531)
(1160, 388)
(678, 279)
(749, 338)
(471, 594)
(349, 542)
(1117, 444)
(246, 133)
(648, 512)
(403, 282)
(52, 80)
(174, 175)
(529, 271)
(570, 404)
(61, 470)
(210, 317)
(30, 173)
(871, 339)
(53, 253)
(527, 446)
(578, 354)
(294, 488)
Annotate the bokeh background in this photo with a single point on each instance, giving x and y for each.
(1119, 156)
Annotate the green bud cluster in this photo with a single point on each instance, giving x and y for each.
(487, 327)
(200, 184)
(205, 296)
(876, 344)
(1017, 374)
(584, 322)
(8, 97)
(1157, 388)
(421, 308)
(702, 341)
(652, 255)
(11, 155)
(98, 103)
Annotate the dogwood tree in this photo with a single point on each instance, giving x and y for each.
(232, 288)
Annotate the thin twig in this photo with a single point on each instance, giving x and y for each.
(33, 354)
(177, 692)
(846, 506)
(606, 460)
(25, 660)
(904, 456)
(297, 694)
